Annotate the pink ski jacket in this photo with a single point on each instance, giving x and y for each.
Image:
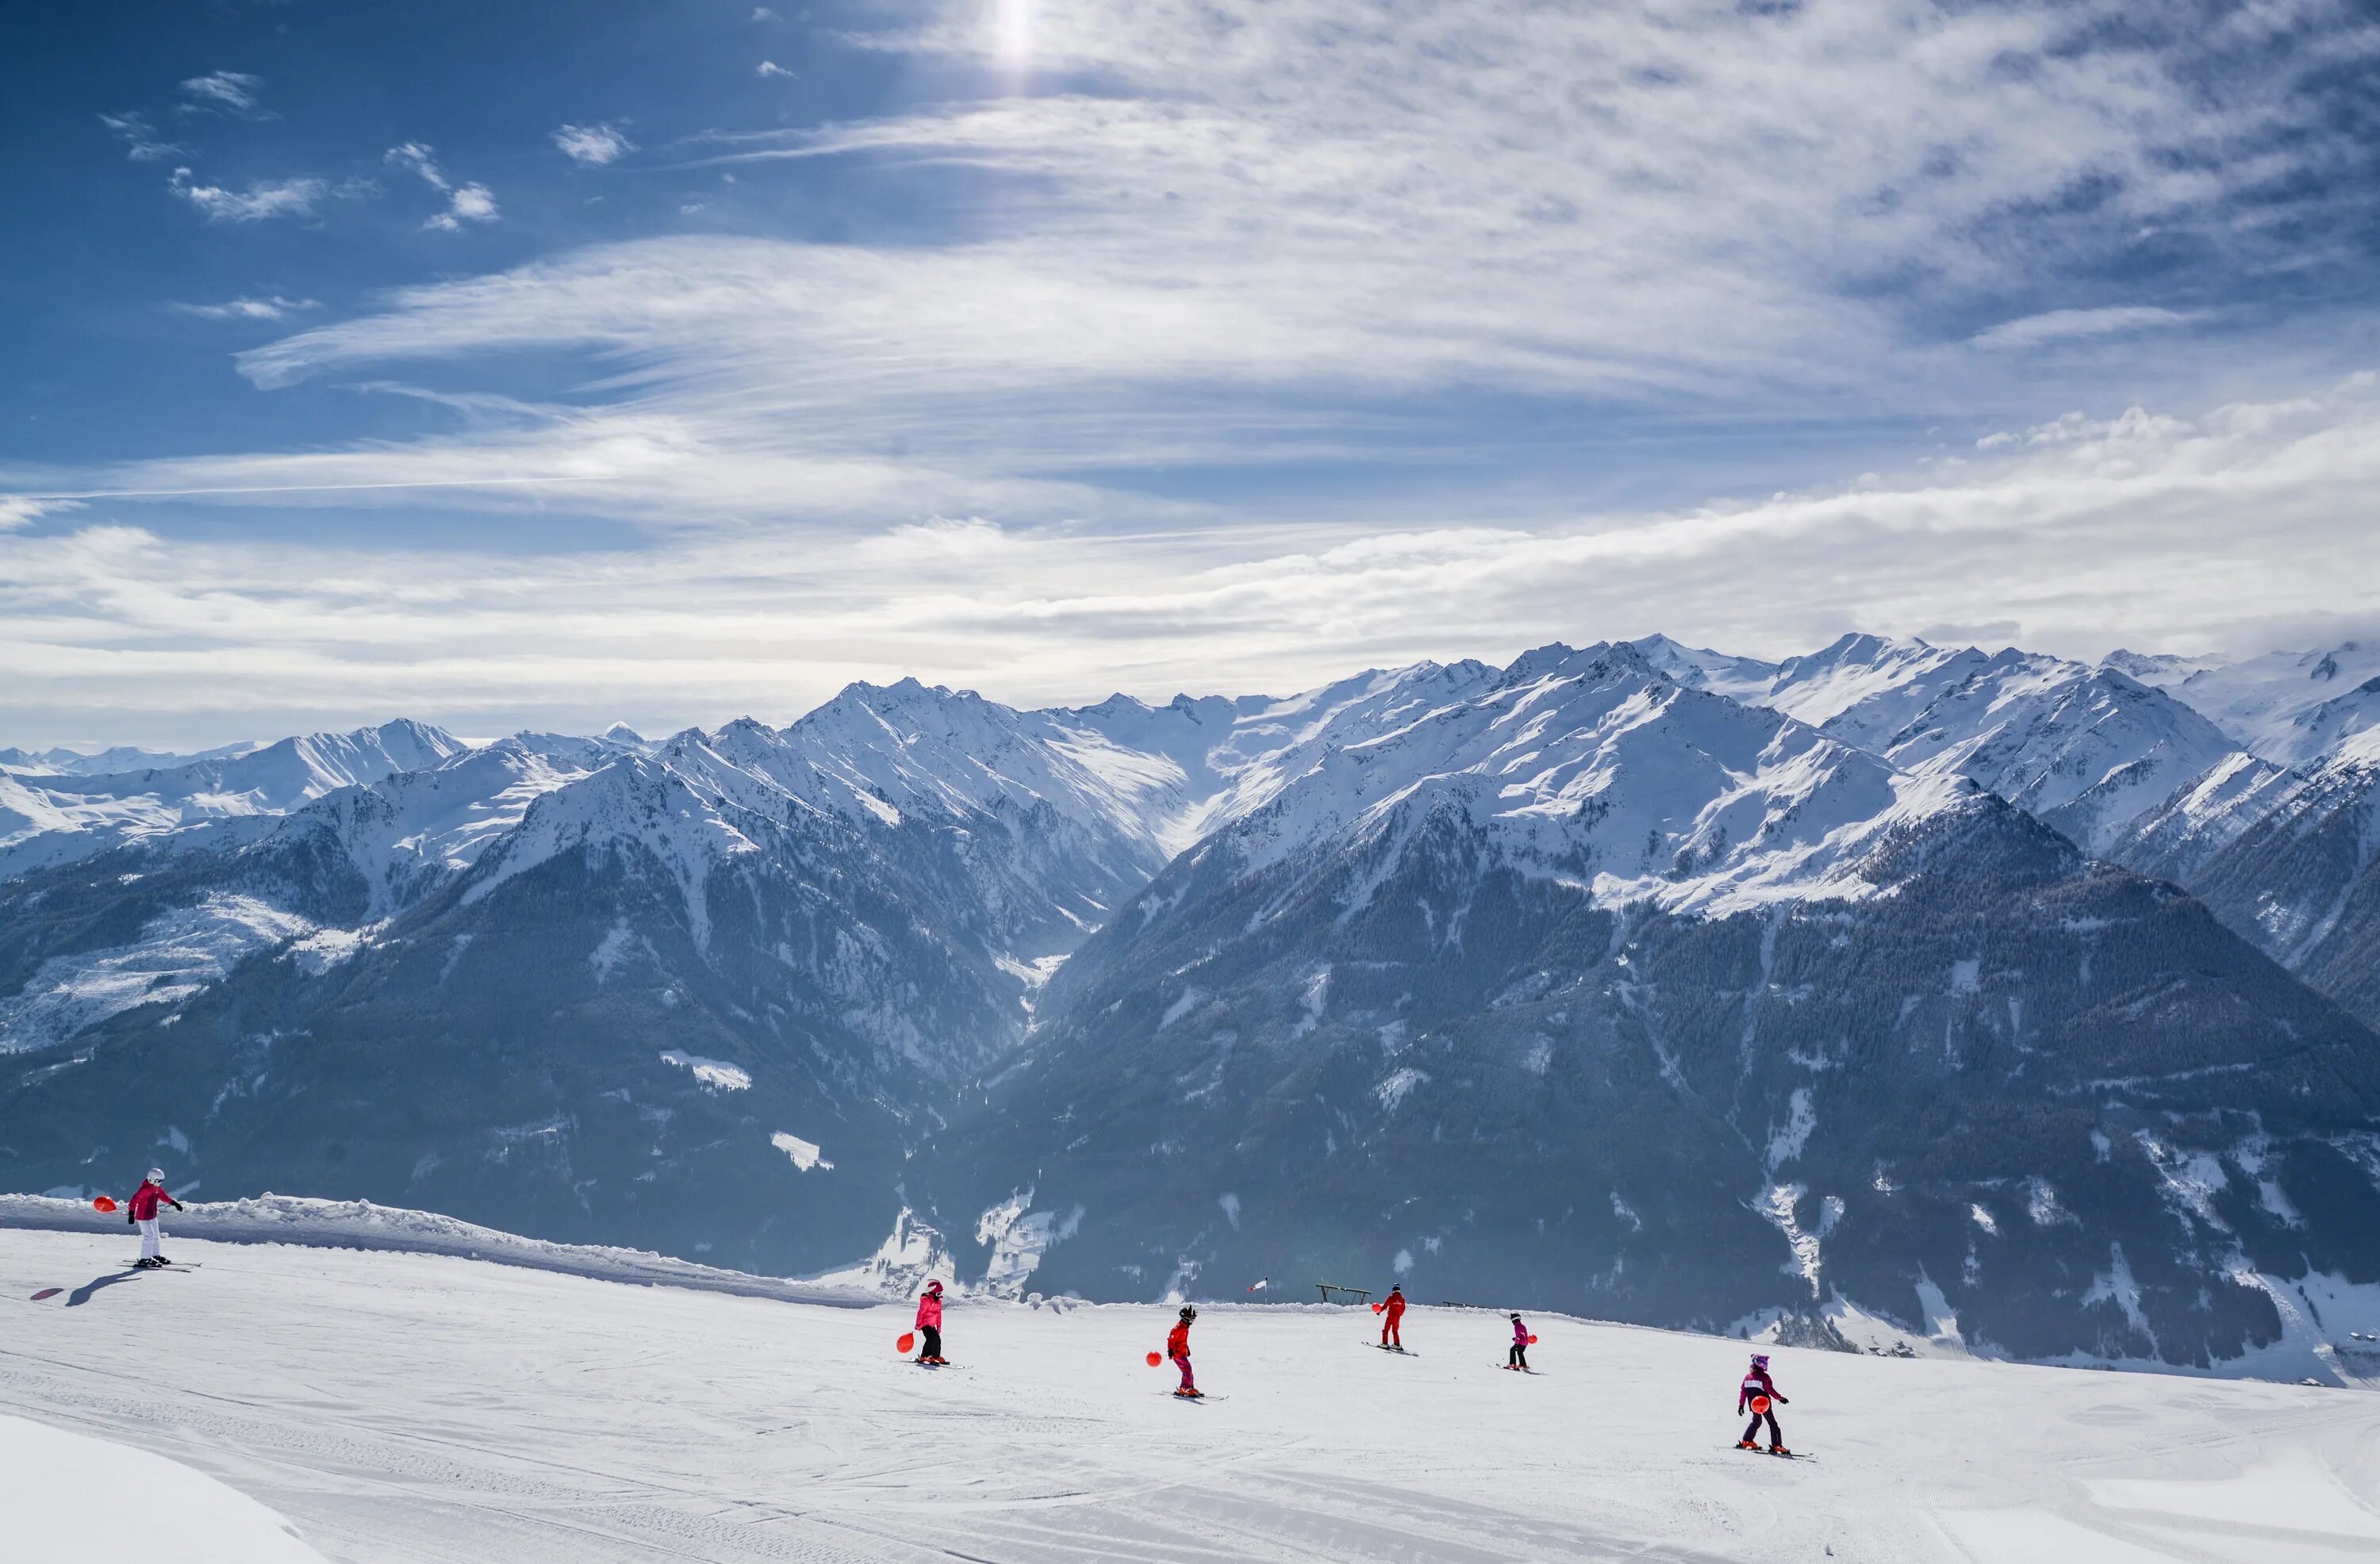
(929, 1310)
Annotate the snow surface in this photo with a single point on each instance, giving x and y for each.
(1590, 762)
(436, 1410)
(176, 955)
(2287, 707)
(72, 1496)
(2088, 749)
(360, 1224)
(57, 818)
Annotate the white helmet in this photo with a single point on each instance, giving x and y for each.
(156, 1175)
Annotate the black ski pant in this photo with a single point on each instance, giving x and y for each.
(1520, 1358)
(1751, 1429)
(933, 1347)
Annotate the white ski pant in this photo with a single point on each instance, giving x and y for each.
(149, 1239)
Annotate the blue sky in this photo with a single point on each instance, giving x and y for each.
(542, 364)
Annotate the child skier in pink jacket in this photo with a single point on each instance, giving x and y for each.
(929, 1324)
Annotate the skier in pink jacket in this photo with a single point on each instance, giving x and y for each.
(1519, 1357)
(929, 1324)
(142, 1212)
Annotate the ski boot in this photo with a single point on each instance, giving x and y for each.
(1745, 1445)
(1779, 1449)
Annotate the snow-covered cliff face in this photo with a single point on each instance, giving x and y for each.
(54, 817)
(1629, 998)
(2085, 749)
(2293, 708)
(2289, 859)
(755, 960)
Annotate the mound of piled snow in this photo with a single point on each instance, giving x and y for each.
(360, 1224)
(70, 1498)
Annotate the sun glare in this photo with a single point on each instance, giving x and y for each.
(1014, 31)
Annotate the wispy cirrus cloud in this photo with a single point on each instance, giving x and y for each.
(255, 201)
(1210, 236)
(1276, 201)
(271, 307)
(21, 510)
(2067, 326)
(705, 625)
(469, 202)
(142, 142)
(224, 91)
(770, 67)
(592, 146)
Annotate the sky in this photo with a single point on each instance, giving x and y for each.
(544, 364)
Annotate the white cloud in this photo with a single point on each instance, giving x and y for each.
(416, 158)
(229, 91)
(1302, 230)
(770, 67)
(2062, 325)
(261, 197)
(762, 14)
(1671, 207)
(470, 203)
(140, 142)
(2141, 514)
(467, 202)
(21, 510)
(593, 145)
(273, 307)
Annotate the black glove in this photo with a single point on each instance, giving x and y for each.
(177, 1205)
(131, 1221)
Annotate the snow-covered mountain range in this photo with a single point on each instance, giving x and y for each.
(1642, 978)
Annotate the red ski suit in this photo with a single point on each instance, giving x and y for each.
(1390, 1313)
(1177, 1347)
(146, 1199)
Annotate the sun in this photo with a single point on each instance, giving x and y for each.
(1014, 30)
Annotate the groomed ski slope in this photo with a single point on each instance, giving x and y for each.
(426, 1408)
(69, 1497)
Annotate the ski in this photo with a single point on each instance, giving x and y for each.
(1773, 1455)
(1515, 1369)
(1201, 1396)
(1401, 1352)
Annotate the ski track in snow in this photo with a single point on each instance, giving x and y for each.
(434, 1409)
